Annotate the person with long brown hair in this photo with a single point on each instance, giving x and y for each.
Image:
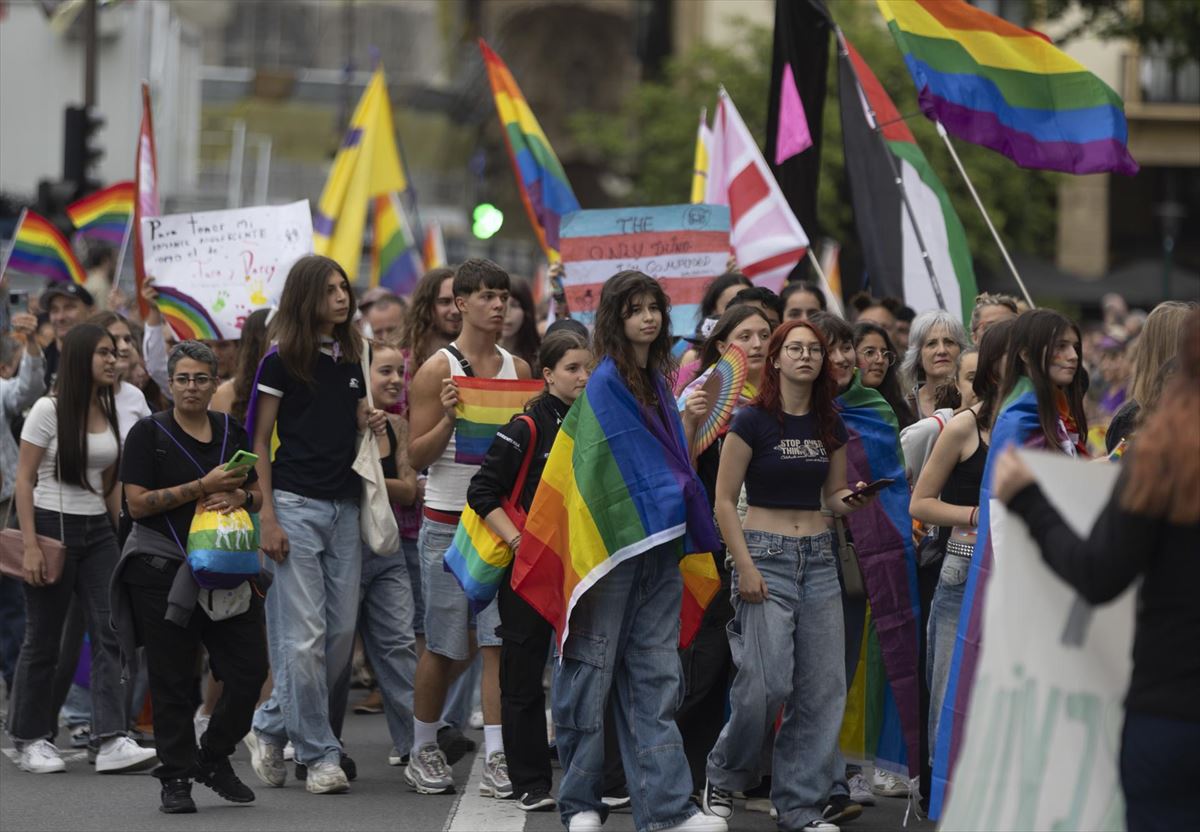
(1150, 529)
(520, 334)
(433, 319)
(233, 396)
(788, 449)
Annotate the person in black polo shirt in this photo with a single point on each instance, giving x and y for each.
(311, 388)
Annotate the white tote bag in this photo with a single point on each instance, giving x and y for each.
(378, 522)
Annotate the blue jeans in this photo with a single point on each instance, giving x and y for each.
(411, 550)
(943, 629)
(789, 654)
(1151, 745)
(311, 612)
(624, 638)
(385, 623)
(12, 626)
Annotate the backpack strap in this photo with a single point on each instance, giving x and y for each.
(467, 369)
(519, 485)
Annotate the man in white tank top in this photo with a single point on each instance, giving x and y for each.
(481, 294)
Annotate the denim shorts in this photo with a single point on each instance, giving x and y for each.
(448, 617)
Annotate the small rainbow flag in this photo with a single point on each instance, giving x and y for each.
(40, 248)
(995, 84)
(187, 316)
(543, 184)
(434, 248)
(106, 215)
(484, 406)
(618, 483)
(467, 559)
(395, 261)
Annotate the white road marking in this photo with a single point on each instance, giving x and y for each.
(473, 812)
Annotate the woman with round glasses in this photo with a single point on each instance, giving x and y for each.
(877, 369)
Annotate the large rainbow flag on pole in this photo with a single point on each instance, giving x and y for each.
(882, 535)
(540, 178)
(995, 84)
(617, 484)
(106, 215)
(395, 259)
(1017, 423)
(40, 248)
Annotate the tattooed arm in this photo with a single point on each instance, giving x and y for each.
(146, 503)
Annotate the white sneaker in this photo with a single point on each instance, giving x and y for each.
(495, 782)
(289, 753)
(886, 784)
(123, 754)
(266, 759)
(585, 822)
(860, 790)
(758, 804)
(395, 758)
(200, 721)
(41, 757)
(326, 778)
(701, 822)
(476, 720)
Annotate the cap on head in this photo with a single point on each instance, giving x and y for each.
(67, 290)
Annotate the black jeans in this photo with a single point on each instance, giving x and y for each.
(1153, 747)
(525, 644)
(237, 654)
(707, 675)
(91, 557)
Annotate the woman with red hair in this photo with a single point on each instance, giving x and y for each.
(787, 448)
(1150, 529)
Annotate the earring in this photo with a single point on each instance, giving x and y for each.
(777, 367)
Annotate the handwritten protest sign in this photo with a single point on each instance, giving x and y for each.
(213, 268)
(1045, 718)
(683, 246)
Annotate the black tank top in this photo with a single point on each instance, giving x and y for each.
(963, 484)
(389, 462)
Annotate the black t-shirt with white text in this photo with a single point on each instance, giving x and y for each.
(789, 462)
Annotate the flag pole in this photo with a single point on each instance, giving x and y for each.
(121, 255)
(844, 53)
(825, 287)
(16, 230)
(987, 219)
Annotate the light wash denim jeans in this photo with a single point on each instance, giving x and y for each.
(311, 608)
(790, 654)
(943, 630)
(410, 549)
(385, 623)
(624, 638)
(448, 617)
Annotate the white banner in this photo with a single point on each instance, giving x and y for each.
(1045, 719)
(213, 268)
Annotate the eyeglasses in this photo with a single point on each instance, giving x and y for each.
(184, 380)
(871, 355)
(800, 350)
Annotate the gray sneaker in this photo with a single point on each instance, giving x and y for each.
(266, 759)
(495, 782)
(326, 778)
(428, 773)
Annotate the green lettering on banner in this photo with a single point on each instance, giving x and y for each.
(982, 766)
(1035, 751)
(1019, 697)
(1084, 707)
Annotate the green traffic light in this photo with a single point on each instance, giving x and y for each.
(486, 220)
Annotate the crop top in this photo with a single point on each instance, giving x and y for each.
(788, 463)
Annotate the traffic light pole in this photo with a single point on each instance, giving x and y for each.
(89, 56)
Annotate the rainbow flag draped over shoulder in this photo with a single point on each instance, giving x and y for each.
(395, 259)
(1016, 424)
(543, 184)
(995, 84)
(106, 215)
(882, 535)
(618, 483)
(40, 248)
(484, 406)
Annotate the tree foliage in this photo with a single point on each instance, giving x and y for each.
(1170, 27)
(649, 145)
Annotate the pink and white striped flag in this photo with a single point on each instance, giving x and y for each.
(766, 238)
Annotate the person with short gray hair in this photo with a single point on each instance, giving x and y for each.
(935, 340)
(193, 350)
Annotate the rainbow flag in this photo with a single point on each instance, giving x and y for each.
(433, 251)
(543, 184)
(484, 406)
(188, 317)
(883, 540)
(106, 215)
(40, 248)
(995, 84)
(467, 559)
(1016, 424)
(618, 483)
(395, 261)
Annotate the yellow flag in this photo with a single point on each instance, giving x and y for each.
(700, 163)
(367, 165)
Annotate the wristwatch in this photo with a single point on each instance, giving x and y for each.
(249, 504)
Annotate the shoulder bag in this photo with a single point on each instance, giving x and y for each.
(12, 542)
(852, 578)
(376, 518)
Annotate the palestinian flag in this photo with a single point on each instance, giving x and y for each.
(893, 257)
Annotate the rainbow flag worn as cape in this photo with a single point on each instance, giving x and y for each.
(40, 248)
(106, 215)
(484, 406)
(995, 84)
(882, 535)
(618, 483)
(1017, 424)
(540, 178)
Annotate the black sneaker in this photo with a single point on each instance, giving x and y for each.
(454, 744)
(349, 767)
(538, 800)
(716, 801)
(841, 809)
(177, 797)
(218, 775)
